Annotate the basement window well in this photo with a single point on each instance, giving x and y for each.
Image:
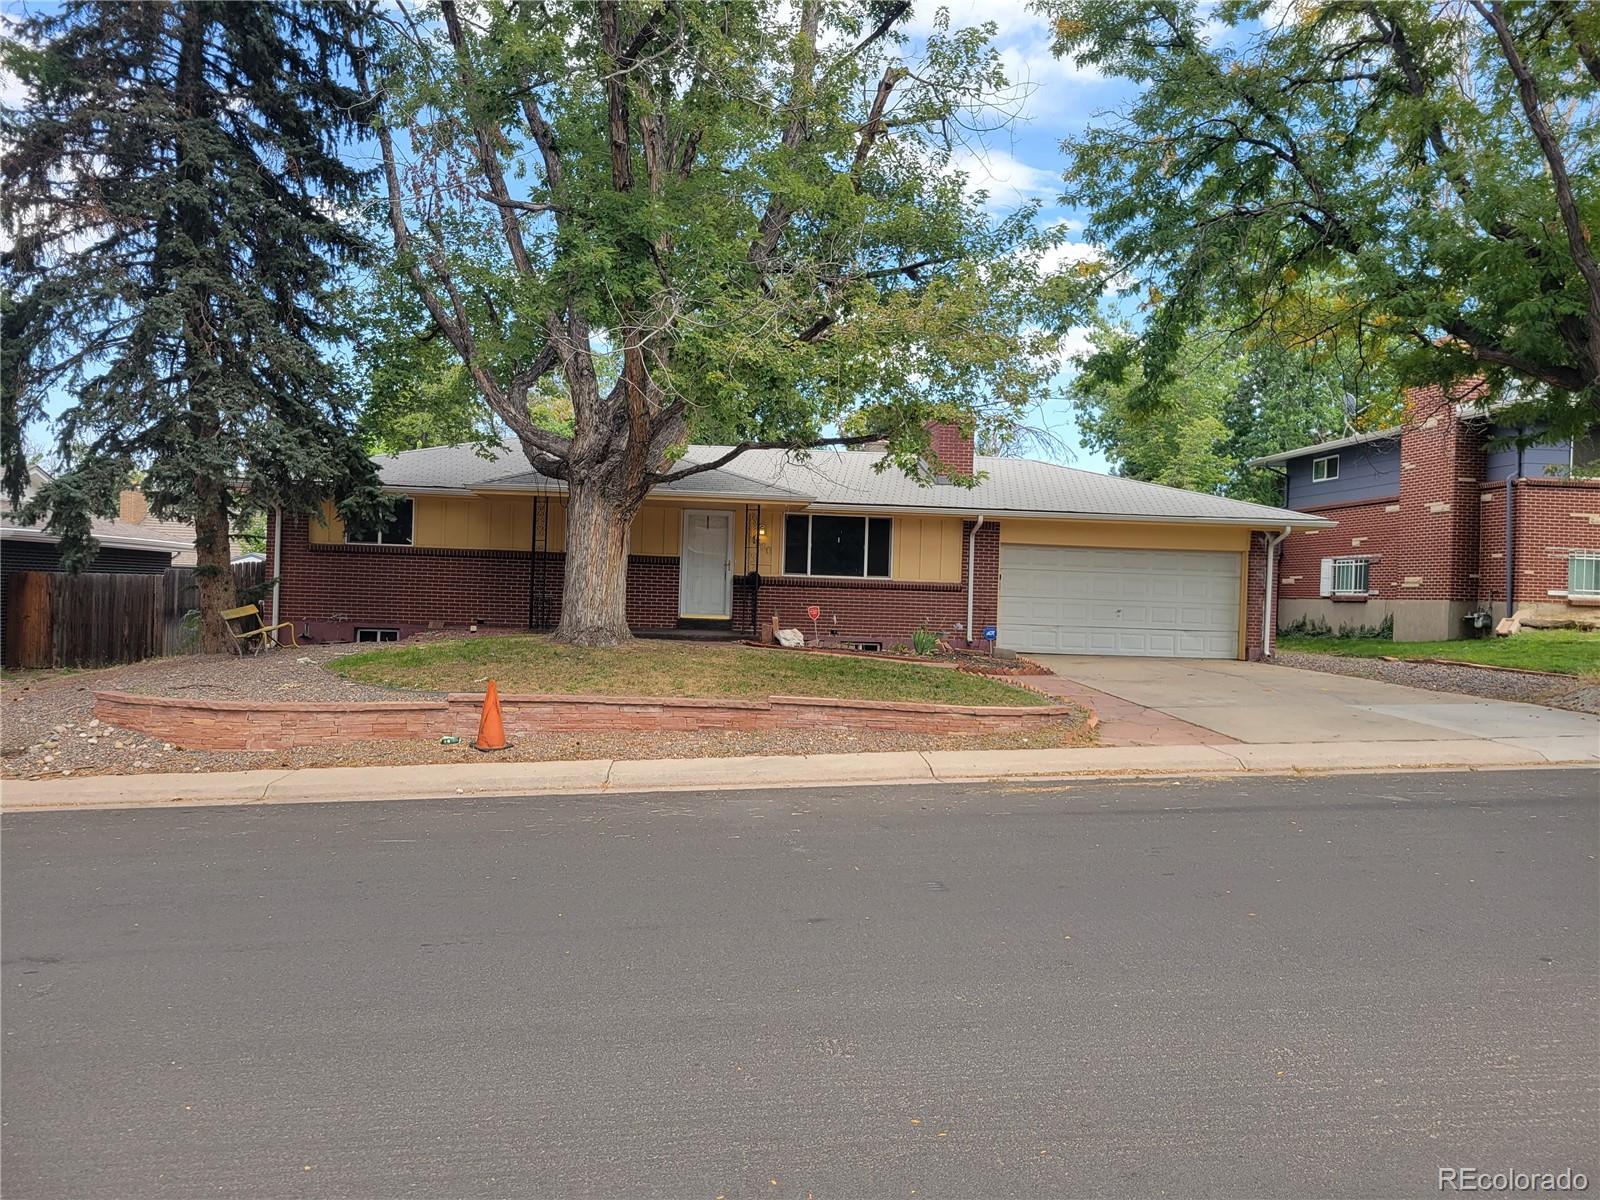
(377, 635)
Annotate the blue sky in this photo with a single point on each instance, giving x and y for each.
(1024, 161)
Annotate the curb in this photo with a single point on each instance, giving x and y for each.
(604, 776)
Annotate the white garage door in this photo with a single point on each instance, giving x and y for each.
(1157, 603)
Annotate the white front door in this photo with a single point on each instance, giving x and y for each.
(705, 566)
(1158, 603)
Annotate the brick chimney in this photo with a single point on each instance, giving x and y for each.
(132, 507)
(951, 448)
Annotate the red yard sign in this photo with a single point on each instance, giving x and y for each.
(814, 613)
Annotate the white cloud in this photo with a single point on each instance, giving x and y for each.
(1008, 180)
(1011, 17)
(1056, 257)
(1076, 341)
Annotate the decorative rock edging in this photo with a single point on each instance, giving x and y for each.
(271, 725)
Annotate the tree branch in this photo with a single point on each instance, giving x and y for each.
(1555, 160)
(723, 460)
(1568, 379)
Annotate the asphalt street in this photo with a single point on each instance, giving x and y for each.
(1229, 987)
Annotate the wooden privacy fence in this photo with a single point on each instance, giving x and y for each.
(95, 620)
(181, 596)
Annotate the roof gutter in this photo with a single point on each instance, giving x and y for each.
(115, 541)
(1297, 520)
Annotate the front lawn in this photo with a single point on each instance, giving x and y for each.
(1559, 651)
(531, 664)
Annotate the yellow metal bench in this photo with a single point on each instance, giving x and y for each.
(251, 633)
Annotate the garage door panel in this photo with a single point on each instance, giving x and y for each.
(1069, 600)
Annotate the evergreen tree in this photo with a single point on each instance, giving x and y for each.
(173, 183)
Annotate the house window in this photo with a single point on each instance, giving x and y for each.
(396, 531)
(853, 547)
(1324, 469)
(377, 635)
(1350, 576)
(1583, 573)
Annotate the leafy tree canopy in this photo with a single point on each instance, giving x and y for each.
(755, 209)
(1223, 406)
(1434, 165)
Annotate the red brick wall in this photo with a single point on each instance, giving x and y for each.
(1553, 517)
(245, 725)
(889, 610)
(399, 585)
(1424, 544)
(1368, 528)
(1255, 595)
(652, 592)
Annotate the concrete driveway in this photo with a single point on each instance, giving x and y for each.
(1261, 703)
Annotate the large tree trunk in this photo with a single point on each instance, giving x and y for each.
(594, 603)
(214, 569)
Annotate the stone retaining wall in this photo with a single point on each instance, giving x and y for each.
(263, 725)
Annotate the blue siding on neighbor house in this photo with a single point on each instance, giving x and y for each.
(1368, 471)
(1537, 461)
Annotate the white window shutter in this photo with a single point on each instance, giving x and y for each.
(1327, 577)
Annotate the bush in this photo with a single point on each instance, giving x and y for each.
(924, 641)
(1316, 627)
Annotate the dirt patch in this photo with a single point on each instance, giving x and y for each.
(1527, 687)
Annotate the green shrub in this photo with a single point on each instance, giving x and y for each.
(924, 641)
(1316, 627)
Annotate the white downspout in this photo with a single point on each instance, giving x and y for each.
(1269, 607)
(277, 559)
(972, 575)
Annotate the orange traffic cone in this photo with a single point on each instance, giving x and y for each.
(491, 730)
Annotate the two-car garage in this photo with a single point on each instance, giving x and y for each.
(1145, 602)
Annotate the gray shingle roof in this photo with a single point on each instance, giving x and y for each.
(832, 478)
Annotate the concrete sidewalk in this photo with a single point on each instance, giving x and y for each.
(489, 778)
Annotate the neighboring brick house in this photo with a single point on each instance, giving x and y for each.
(1060, 560)
(1421, 525)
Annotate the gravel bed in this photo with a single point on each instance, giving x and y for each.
(48, 728)
(1556, 691)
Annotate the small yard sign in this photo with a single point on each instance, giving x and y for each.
(990, 633)
(814, 613)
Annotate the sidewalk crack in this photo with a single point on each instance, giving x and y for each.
(932, 772)
(1222, 749)
(266, 788)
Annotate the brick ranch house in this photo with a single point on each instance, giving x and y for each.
(1060, 560)
(1421, 528)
